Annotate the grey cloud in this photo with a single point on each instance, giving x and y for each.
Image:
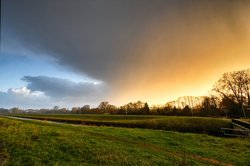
(61, 88)
(101, 38)
(92, 36)
(43, 91)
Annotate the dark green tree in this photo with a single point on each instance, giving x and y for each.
(146, 109)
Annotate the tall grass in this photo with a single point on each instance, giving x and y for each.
(183, 124)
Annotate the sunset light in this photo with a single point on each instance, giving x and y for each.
(125, 82)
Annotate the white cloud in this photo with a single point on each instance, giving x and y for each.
(24, 98)
(24, 91)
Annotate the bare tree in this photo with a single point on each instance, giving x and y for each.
(103, 106)
(235, 86)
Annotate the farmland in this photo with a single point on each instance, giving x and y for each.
(45, 143)
(183, 124)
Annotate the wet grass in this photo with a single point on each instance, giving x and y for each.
(44, 143)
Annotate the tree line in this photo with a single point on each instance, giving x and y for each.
(231, 98)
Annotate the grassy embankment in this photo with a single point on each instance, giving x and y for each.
(183, 124)
(43, 143)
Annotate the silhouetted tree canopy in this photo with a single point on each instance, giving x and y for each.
(235, 87)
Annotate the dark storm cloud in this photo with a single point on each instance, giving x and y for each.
(59, 88)
(90, 36)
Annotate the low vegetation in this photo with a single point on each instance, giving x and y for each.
(173, 123)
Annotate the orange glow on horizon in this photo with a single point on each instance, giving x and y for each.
(182, 58)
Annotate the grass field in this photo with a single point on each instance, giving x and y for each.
(45, 143)
(173, 123)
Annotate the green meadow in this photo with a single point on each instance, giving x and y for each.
(25, 142)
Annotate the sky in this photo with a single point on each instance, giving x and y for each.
(74, 52)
